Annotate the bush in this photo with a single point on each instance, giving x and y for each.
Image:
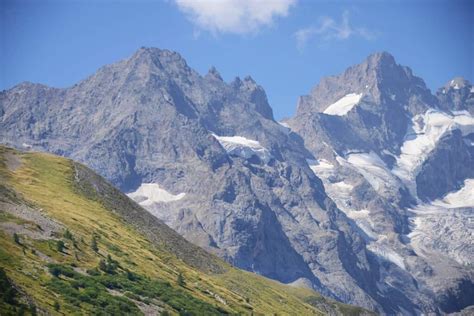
(16, 239)
(110, 266)
(33, 310)
(55, 271)
(60, 245)
(132, 276)
(94, 245)
(67, 234)
(7, 291)
(93, 272)
(102, 265)
(181, 281)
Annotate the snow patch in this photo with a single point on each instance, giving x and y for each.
(341, 193)
(384, 252)
(344, 105)
(320, 166)
(446, 226)
(149, 193)
(343, 186)
(461, 198)
(373, 169)
(243, 147)
(426, 131)
(364, 222)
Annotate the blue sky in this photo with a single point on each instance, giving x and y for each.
(285, 45)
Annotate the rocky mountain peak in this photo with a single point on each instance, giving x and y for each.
(382, 70)
(236, 83)
(457, 83)
(379, 79)
(156, 60)
(249, 84)
(456, 95)
(213, 74)
(158, 53)
(256, 94)
(380, 59)
(249, 79)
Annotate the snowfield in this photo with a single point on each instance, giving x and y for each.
(373, 169)
(381, 250)
(426, 131)
(440, 225)
(149, 193)
(243, 147)
(437, 227)
(344, 105)
(320, 167)
(340, 193)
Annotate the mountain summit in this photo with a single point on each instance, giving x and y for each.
(379, 78)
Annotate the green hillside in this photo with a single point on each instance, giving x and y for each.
(70, 243)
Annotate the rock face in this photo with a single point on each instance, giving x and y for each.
(399, 162)
(338, 201)
(456, 95)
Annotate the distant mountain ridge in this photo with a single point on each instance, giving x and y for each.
(336, 200)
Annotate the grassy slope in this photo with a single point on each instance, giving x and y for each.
(47, 183)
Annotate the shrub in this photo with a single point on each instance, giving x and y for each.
(7, 291)
(55, 271)
(102, 265)
(67, 234)
(94, 245)
(131, 276)
(60, 245)
(181, 281)
(93, 272)
(16, 238)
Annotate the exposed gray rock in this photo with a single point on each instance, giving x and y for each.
(385, 153)
(446, 168)
(457, 95)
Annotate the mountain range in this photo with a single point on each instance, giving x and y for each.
(365, 195)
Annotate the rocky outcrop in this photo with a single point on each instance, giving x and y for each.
(457, 95)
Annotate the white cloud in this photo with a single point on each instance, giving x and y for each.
(329, 29)
(234, 16)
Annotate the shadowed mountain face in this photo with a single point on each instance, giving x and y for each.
(341, 201)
